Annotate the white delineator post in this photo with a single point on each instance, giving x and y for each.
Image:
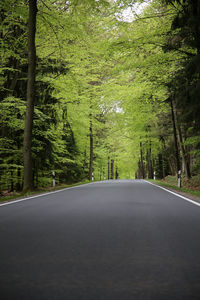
(54, 180)
(179, 178)
(154, 175)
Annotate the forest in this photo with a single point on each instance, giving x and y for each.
(98, 89)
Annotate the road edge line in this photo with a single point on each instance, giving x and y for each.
(44, 194)
(176, 194)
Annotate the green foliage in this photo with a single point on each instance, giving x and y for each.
(94, 66)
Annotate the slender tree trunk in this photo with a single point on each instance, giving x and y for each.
(159, 166)
(108, 167)
(172, 166)
(28, 172)
(147, 160)
(163, 160)
(18, 186)
(178, 165)
(142, 161)
(139, 170)
(150, 162)
(12, 82)
(12, 181)
(116, 173)
(196, 14)
(112, 168)
(180, 140)
(91, 151)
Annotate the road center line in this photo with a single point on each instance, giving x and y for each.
(185, 198)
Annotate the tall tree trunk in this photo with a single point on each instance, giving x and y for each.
(108, 167)
(12, 81)
(139, 170)
(178, 165)
(196, 31)
(159, 166)
(116, 173)
(28, 172)
(112, 168)
(91, 151)
(142, 160)
(147, 160)
(150, 162)
(12, 181)
(18, 186)
(180, 140)
(163, 160)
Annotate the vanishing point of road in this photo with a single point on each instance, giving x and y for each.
(111, 240)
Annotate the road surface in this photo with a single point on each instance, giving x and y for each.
(116, 240)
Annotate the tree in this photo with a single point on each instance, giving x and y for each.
(184, 36)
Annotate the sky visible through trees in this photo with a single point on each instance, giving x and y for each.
(113, 94)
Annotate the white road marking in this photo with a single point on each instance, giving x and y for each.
(185, 198)
(77, 186)
(45, 194)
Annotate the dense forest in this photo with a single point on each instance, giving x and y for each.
(98, 89)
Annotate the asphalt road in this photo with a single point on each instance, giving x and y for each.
(116, 240)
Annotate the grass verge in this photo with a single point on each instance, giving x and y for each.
(195, 193)
(38, 191)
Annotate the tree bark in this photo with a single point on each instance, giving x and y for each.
(196, 15)
(142, 161)
(180, 140)
(163, 160)
(28, 172)
(150, 162)
(91, 151)
(116, 173)
(11, 182)
(178, 165)
(108, 167)
(112, 168)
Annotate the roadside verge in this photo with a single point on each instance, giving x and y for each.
(186, 196)
(38, 193)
